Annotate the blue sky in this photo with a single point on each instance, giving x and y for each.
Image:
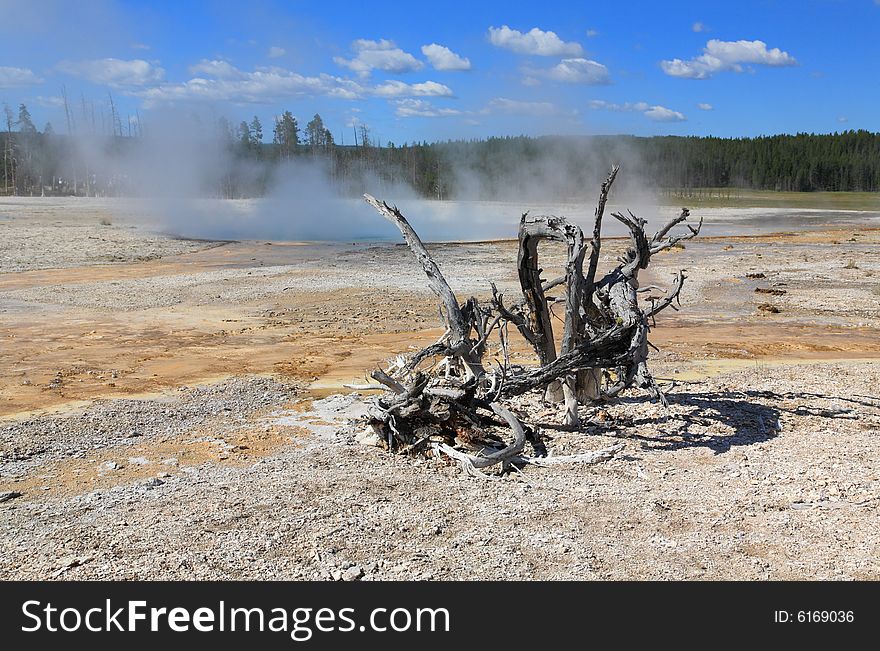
(429, 71)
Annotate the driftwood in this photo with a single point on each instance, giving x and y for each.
(447, 399)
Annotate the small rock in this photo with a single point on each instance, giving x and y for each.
(70, 561)
(353, 573)
(767, 307)
(140, 461)
(152, 482)
(368, 436)
(109, 465)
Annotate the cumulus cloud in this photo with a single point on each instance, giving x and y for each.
(442, 58)
(727, 55)
(218, 80)
(571, 71)
(656, 112)
(259, 86)
(378, 55)
(275, 52)
(407, 108)
(703, 106)
(505, 105)
(394, 88)
(117, 73)
(592, 33)
(13, 77)
(216, 68)
(699, 27)
(535, 41)
(663, 114)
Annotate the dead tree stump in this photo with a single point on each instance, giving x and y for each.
(443, 398)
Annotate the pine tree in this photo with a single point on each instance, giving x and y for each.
(25, 124)
(286, 134)
(256, 131)
(315, 132)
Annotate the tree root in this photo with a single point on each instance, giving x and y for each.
(604, 348)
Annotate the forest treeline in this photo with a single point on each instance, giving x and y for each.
(242, 164)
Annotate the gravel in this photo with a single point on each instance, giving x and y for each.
(750, 475)
(768, 469)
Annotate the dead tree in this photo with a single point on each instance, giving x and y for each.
(444, 395)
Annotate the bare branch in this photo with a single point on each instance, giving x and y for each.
(454, 319)
(596, 242)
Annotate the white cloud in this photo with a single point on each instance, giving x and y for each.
(535, 41)
(699, 27)
(703, 106)
(140, 46)
(656, 112)
(275, 52)
(592, 33)
(394, 88)
(116, 73)
(12, 77)
(216, 68)
(218, 80)
(442, 58)
(505, 105)
(611, 106)
(663, 114)
(258, 86)
(843, 119)
(570, 71)
(407, 108)
(378, 55)
(727, 55)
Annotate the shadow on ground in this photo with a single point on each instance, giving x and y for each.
(720, 420)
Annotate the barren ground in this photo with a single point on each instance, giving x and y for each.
(175, 409)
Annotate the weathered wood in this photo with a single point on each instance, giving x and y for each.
(596, 241)
(388, 381)
(595, 456)
(473, 462)
(459, 327)
(603, 350)
(454, 319)
(531, 232)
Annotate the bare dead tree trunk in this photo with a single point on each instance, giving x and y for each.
(445, 394)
